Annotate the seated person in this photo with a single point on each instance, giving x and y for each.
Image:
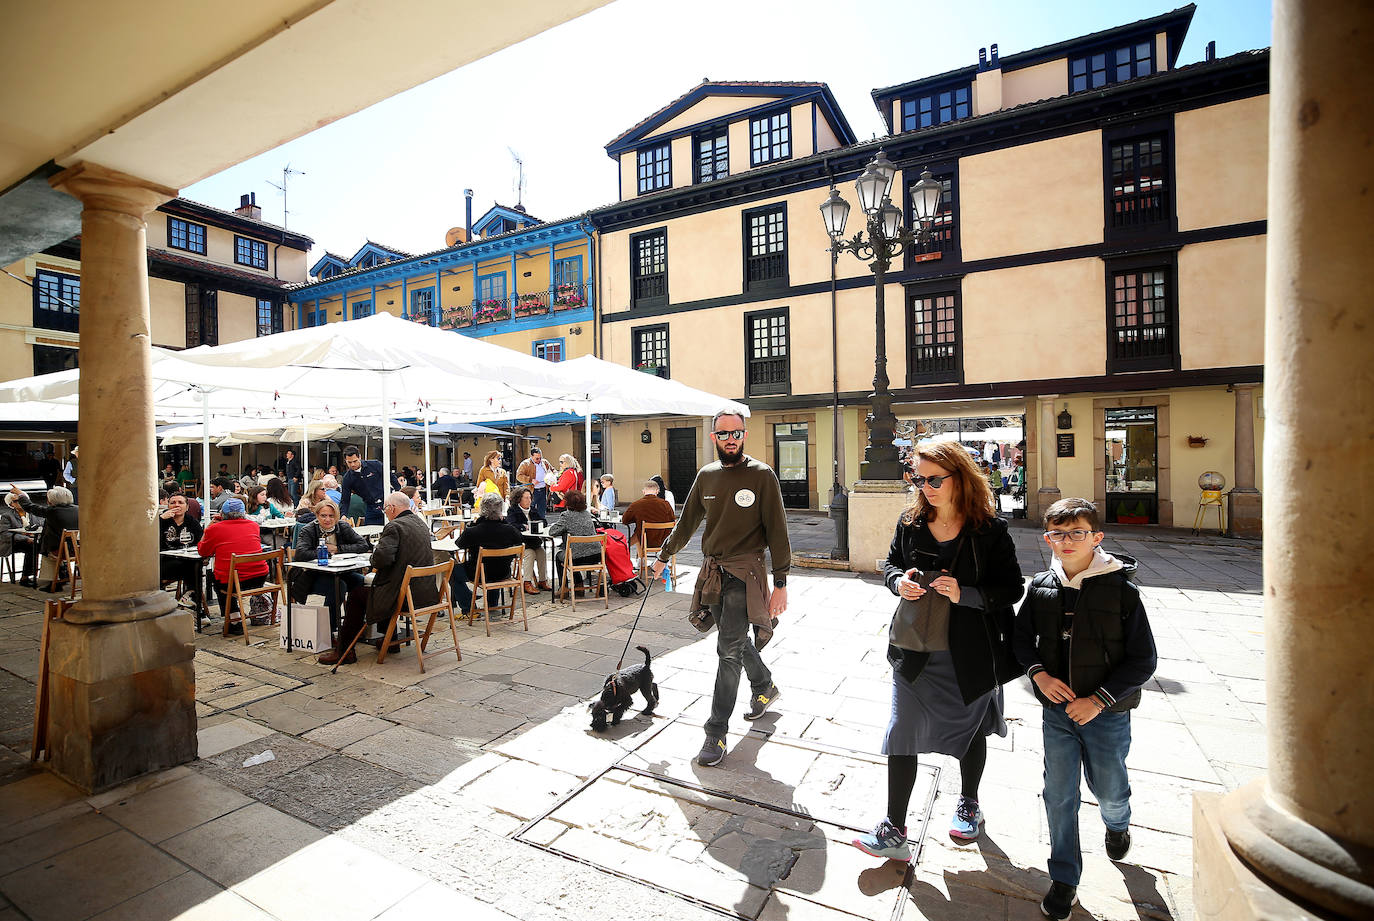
(404, 541)
(576, 521)
(12, 517)
(221, 488)
(178, 530)
(60, 514)
(173, 488)
(279, 503)
(605, 496)
(331, 487)
(536, 558)
(444, 484)
(491, 531)
(647, 508)
(234, 533)
(339, 537)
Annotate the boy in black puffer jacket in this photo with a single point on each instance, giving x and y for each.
(1085, 642)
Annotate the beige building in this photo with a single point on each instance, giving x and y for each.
(1092, 298)
(214, 276)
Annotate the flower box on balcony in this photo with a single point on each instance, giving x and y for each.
(530, 305)
(568, 297)
(488, 311)
(649, 367)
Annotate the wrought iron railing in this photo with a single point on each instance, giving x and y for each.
(528, 304)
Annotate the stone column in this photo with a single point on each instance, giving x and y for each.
(1048, 493)
(1243, 500)
(122, 681)
(1305, 832)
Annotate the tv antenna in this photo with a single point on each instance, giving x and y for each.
(286, 173)
(519, 179)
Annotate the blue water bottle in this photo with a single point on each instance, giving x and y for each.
(322, 554)
(667, 579)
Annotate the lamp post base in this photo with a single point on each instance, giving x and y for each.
(874, 506)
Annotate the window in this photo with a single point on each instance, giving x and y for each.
(944, 241)
(250, 252)
(567, 271)
(329, 271)
(47, 359)
(1140, 327)
(654, 168)
(649, 268)
(766, 352)
(933, 336)
(770, 138)
(765, 248)
(936, 108)
(56, 301)
(549, 349)
(1114, 65)
(1139, 188)
(713, 156)
(491, 287)
(269, 317)
(650, 349)
(185, 235)
(422, 304)
(316, 317)
(363, 309)
(202, 316)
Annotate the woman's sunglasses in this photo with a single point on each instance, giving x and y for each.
(935, 481)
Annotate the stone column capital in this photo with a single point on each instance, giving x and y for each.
(102, 189)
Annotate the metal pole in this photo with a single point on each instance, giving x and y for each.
(587, 423)
(205, 453)
(386, 442)
(429, 480)
(305, 454)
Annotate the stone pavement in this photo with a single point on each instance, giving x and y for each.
(479, 787)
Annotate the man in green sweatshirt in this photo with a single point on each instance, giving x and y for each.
(741, 502)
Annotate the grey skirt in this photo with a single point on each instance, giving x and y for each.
(929, 714)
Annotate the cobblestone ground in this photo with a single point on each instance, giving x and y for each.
(479, 786)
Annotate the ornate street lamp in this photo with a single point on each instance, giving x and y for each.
(886, 240)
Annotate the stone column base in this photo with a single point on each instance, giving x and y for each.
(873, 509)
(1244, 513)
(1046, 496)
(122, 698)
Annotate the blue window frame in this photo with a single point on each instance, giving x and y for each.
(185, 235)
(316, 317)
(936, 108)
(422, 304)
(549, 349)
(362, 309)
(491, 287)
(567, 271)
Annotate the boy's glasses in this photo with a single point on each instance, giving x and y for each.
(732, 435)
(1077, 535)
(935, 482)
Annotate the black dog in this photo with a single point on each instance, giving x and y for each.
(618, 694)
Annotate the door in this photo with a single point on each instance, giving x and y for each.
(1132, 465)
(682, 462)
(790, 463)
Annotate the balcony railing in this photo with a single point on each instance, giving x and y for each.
(529, 304)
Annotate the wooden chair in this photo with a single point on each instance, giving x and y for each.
(68, 553)
(570, 569)
(238, 594)
(191, 487)
(651, 538)
(481, 584)
(405, 607)
(429, 514)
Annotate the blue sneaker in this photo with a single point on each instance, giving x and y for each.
(887, 841)
(967, 818)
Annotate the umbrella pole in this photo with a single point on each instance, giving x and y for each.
(205, 452)
(587, 422)
(305, 454)
(429, 486)
(386, 442)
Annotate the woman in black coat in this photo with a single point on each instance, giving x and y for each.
(948, 699)
(339, 537)
(60, 514)
(536, 558)
(490, 531)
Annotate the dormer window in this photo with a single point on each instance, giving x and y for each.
(770, 138)
(712, 155)
(1114, 65)
(936, 108)
(654, 168)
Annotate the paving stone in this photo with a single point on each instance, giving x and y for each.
(563, 680)
(343, 733)
(31, 798)
(231, 733)
(416, 755)
(53, 839)
(188, 897)
(241, 844)
(173, 808)
(535, 704)
(521, 789)
(288, 753)
(552, 655)
(63, 887)
(450, 720)
(335, 791)
(373, 698)
(294, 713)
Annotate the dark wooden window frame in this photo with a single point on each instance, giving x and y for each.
(949, 247)
(773, 136)
(189, 233)
(1167, 358)
(639, 281)
(767, 365)
(912, 109)
(1116, 229)
(713, 165)
(273, 317)
(63, 318)
(202, 316)
(1111, 64)
(953, 370)
(768, 270)
(50, 358)
(661, 357)
(654, 167)
(254, 249)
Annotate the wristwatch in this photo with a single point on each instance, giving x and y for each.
(780, 583)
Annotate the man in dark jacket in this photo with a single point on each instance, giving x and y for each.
(405, 541)
(294, 480)
(366, 479)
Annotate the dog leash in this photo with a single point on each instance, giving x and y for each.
(624, 652)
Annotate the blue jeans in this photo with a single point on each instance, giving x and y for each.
(735, 649)
(1100, 746)
(539, 503)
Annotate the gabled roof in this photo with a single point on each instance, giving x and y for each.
(383, 253)
(794, 91)
(232, 220)
(1175, 23)
(518, 214)
(328, 259)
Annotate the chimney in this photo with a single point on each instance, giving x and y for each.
(248, 206)
(467, 193)
(1211, 51)
(982, 59)
(992, 56)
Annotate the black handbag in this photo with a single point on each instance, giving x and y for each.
(921, 625)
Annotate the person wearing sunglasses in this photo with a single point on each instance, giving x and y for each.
(741, 502)
(948, 698)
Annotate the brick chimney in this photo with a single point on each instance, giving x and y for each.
(248, 206)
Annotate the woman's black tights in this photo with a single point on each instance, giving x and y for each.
(901, 778)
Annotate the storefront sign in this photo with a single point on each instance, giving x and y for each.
(1065, 444)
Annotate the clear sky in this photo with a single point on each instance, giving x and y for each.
(395, 172)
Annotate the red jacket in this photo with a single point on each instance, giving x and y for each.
(567, 482)
(223, 539)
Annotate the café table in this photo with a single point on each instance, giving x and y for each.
(338, 564)
(368, 531)
(193, 555)
(276, 526)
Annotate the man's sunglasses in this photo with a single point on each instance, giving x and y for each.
(935, 481)
(732, 435)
